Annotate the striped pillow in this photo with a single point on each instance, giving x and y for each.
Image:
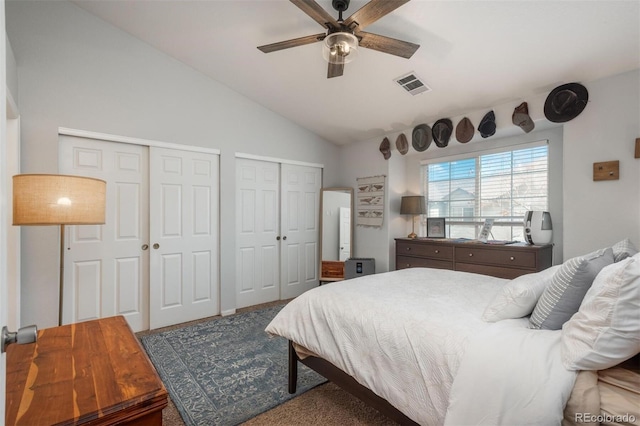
(562, 298)
(623, 249)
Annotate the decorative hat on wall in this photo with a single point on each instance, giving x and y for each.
(522, 119)
(402, 144)
(464, 130)
(487, 126)
(421, 137)
(385, 148)
(442, 130)
(566, 102)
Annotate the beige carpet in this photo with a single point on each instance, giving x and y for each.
(325, 405)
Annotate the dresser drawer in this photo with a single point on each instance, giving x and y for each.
(432, 251)
(403, 262)
(507, 258)
(494, 271)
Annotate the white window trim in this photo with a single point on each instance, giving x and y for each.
(480, 152)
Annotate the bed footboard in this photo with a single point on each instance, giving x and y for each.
(344, 381)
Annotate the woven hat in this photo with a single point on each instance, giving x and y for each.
(385, 148)
(487, 126)
(464, 130)
(402, 144)
(442, 130)
(421, 137)
(522, 119)
(566, 102)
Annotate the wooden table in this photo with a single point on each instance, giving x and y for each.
(93, 372)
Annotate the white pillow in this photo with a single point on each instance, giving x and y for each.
(519, 296)
(606, 329)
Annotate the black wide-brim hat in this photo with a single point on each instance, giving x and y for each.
(566, 102)
(487, 126)
(442, 130)
(421, 137)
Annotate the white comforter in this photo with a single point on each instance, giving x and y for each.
(403, 334)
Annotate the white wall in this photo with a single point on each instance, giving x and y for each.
(79, 72)
(363, 159)
(586, 215)
(601, 213)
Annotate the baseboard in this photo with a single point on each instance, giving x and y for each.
(228, 312)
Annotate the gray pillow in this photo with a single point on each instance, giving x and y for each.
(562, 298)
(623, 249)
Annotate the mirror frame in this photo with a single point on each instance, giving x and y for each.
(345, 189)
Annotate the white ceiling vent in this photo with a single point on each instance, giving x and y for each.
(412, 84)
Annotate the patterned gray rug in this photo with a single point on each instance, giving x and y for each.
(227, 370)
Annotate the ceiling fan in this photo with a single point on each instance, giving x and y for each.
(343, 37)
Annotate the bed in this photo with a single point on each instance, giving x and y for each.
(417, 345)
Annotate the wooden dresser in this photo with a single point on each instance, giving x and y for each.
(89, 373)
(503, 261)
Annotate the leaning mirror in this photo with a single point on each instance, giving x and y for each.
(336, 231)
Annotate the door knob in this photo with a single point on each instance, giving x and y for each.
(156, 246)
(145, 246)
(28, 334)
(284, 238)
(278, 238)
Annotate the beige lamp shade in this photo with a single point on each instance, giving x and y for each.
(40, 199)
(412, 204)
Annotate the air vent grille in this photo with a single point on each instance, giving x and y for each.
(412, 84)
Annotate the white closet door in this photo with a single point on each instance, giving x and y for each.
(184, 236)
(300, 195)
(257, 231)
(106, 267)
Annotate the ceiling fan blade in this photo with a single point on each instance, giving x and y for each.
(404, 49)
(317, 13)
(267, 48)
(372, 11)
(335, 70)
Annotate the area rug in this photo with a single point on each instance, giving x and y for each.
(227, 370)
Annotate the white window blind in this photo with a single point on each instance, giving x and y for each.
(501, 185)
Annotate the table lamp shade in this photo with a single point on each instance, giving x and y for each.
(412, 204)
(41, 199)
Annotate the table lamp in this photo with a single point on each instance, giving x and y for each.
(412, 205)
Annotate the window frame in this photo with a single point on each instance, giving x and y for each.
(476, 154)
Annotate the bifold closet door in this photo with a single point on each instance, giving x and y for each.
(107, 266)
(155, 260)
(277, 230)
(184, 282)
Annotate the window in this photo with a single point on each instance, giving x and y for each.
(500, 185)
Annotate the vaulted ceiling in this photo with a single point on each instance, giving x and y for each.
(473, 54)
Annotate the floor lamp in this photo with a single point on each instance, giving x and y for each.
(413, 205)
(40, 199)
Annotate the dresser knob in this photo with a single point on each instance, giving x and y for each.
(408, 248)
(470, 254)
(512, 258)
(437, 251)
(408, 265)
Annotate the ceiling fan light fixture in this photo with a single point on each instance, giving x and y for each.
(340, 48)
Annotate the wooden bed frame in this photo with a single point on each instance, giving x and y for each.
(346, 382)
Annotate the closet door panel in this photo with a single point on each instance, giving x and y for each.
(257, 232)
(106, 270)
(184, 282)
(300, 220)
